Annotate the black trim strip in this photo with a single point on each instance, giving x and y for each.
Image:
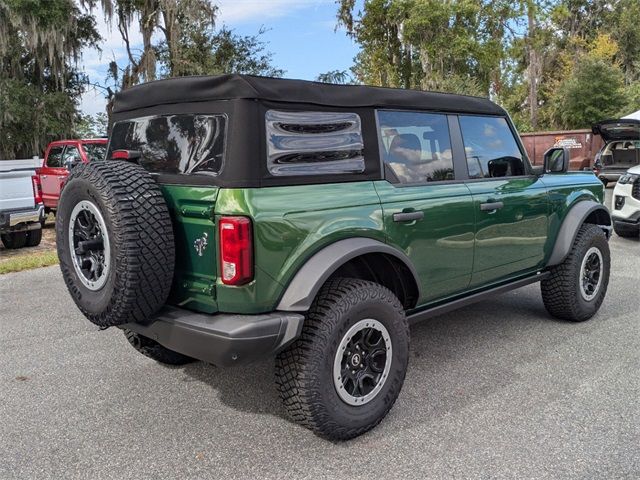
(476, 297)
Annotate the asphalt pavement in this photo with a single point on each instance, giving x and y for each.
(495, 390)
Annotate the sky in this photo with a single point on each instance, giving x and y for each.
(300, 34)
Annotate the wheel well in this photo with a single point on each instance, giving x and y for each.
(598, 217)
(386, 270)
(601, 218)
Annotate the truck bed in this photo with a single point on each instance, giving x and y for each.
(16, 188)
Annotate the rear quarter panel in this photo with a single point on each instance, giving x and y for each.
(291, 224)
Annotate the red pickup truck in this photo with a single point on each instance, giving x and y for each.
(59, 158)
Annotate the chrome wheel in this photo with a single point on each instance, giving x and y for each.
(591, 273)
(362, 362)
(89, 243)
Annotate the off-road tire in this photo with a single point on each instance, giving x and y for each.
(34, 237)
(14, 240)
(626, 232)
(152, 349)
(561, 290)
(141, 241)
(304, 371)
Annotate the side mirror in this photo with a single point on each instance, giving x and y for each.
(556, 160)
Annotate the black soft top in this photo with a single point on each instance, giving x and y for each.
(235, 86)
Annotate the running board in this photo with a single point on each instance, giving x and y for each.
(476, 297)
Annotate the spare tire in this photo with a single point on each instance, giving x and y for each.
(115, 242)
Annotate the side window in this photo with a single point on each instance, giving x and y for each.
(55, 157)
(491, 149)
(314, 143)
(70, 157)
(416, 146)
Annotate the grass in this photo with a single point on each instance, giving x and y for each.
(29, 261)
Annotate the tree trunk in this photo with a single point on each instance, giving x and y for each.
(533, 65)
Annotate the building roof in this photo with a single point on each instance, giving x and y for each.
(235, 86)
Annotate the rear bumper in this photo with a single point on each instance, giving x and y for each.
(222, 339)
(9, 219)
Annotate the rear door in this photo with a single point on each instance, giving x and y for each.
(622, 150)
(510, 204)
(51, 174)
(621, 129)
(181, 151)
(428, 210)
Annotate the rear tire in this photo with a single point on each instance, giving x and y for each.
(115, 242)
(152, 349)
(573, 292)
(625, 231)
(34, 237)
(14, 240)
(346, 315)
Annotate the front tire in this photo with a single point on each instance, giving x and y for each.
(343, 374)
(576, 288)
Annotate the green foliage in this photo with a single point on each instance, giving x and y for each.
(632, 98)
(31, 118)
(454, 46)
(91, 126)
(340, 77)
(552, 63)
(40, 41)
(212, 52)
(575, 108)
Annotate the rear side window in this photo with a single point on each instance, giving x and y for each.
(314, 143)
(490, 147)
(174, 143)
(416, 146)
(71, 156)
(95, 151)
(54, 159)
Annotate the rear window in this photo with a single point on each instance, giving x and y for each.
(314, 143)
(192, 144)
(95, 151)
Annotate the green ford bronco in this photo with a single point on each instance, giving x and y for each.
(239, 217)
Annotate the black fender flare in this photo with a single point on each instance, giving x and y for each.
(316, 271)
(570, 226)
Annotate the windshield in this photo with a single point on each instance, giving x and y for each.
(95, 151)
(183, 143)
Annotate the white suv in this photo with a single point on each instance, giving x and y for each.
(626, 204)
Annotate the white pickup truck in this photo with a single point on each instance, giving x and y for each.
(21, 208)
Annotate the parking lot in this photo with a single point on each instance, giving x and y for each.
(496, 390)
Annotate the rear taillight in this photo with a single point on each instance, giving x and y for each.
(236, 250)
(37, 189)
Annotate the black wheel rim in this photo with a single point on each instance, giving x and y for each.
(591, 273)
(89, 245)
(362, 362)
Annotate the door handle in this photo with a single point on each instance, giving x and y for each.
(43, 176)
(491, 206)
(408, 216)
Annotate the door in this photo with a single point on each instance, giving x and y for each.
(50, 174)
(511, 204)
(428, 210)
